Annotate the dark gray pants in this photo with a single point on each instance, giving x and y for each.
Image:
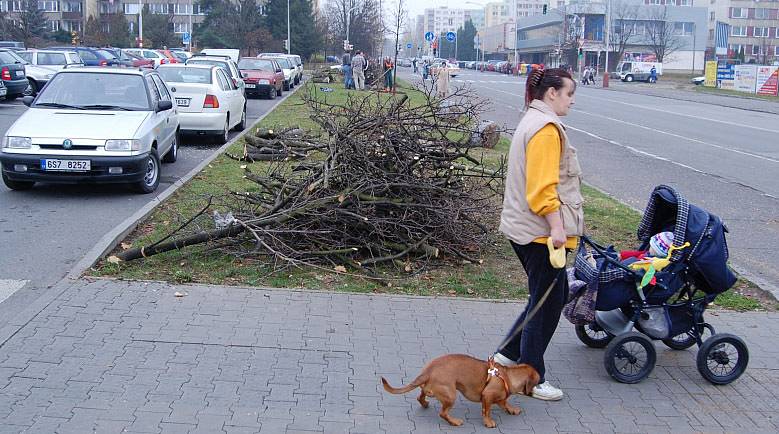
(529, 345)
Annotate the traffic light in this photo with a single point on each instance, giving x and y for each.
(74, 38)
(544, 10)
(286, 44)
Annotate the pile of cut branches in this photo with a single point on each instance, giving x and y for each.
(389, 183)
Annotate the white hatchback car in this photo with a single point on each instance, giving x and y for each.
(209, 102)
(93, 125)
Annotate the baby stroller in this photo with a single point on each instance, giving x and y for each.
(671, 307)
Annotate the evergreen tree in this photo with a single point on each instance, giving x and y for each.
(157, 30)
(93, 34)
(306, 39)
(118, 31)
(34, 25)
(218, 29)
(465, 47)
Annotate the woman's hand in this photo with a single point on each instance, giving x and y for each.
(558, 237)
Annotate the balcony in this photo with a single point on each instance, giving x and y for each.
(72, 15)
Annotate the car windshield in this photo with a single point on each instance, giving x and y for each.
(185, 75)
(283, 62)
(10, 57)
(106, 54)
(262, 65)
(88, 89)
(221, 63)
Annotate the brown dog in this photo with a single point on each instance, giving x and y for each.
(479, 381)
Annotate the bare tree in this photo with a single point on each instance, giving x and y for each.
(661, 33)
(623, 16)
(364, 23)
(401, 16)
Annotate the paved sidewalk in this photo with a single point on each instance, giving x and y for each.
(108, 356)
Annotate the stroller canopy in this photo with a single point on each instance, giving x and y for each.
(707, 257)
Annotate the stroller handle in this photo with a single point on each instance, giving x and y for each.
(600, 249)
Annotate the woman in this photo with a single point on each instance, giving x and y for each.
(542, 200)
(442, 80)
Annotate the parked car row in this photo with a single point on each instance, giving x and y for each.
(92, 124)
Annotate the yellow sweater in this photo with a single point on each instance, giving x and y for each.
(543, 175)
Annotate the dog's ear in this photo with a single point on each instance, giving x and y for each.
(530, 378)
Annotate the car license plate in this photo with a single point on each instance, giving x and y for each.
(53, 165)
(182, 102)
(250, 86)
(20, 73)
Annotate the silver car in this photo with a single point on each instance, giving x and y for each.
(93, 125)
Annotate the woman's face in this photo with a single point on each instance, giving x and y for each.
(561, 100)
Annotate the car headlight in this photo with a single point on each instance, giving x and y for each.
(264, 82)
(122, 145)
(13, 142)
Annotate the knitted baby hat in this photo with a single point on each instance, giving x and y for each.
(660, 243)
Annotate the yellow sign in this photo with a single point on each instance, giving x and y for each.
(711, 74)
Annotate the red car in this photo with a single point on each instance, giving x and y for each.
(170, 56)
(262, 76)
(138, 61)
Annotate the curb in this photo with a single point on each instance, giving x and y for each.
(110, 240)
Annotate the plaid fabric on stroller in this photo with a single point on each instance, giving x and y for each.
(668, 307)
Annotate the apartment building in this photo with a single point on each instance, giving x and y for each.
(525, 8)
(754, 28)
(495, 13)
(443, 19)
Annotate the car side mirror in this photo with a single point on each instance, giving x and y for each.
(279, 70)
(28, 100)
(164, 105)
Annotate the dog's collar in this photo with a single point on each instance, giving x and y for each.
(493, 371)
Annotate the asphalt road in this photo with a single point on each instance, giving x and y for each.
(45, 231)
(723, 159)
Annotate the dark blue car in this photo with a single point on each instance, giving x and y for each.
(93, 56)
(12, 74)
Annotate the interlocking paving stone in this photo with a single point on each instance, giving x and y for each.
(114, 356)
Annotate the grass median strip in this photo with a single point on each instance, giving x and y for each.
(499, 276)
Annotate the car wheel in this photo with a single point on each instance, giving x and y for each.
(272, 93)
(241, 125)
(151, 177)
(629, 78)
(173, 153)
(17, 185)
(224, 136)
(32, 88)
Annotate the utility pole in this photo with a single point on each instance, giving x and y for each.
(607, 36)
(289, 43)
(140, 23)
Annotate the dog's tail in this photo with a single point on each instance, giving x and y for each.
(409, 387)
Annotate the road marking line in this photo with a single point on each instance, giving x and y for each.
(679, 114)
(749, 154)
(9, 286)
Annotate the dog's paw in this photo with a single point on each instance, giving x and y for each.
(455, 421)
(513, 410)
(490, 423)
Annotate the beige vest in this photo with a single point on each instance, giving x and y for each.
(517, 221)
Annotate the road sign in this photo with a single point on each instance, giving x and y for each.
(409, 46)
(429, 36)
(451, 36)
(186, 38)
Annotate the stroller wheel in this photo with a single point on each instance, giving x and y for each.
(685, 340)
(593, 336)
(630, 357)
(722, 358)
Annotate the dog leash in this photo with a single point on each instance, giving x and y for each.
(531, 314)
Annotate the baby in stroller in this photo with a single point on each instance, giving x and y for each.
(662, 296)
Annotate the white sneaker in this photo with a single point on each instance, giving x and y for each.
(547, 392)
(503, 360)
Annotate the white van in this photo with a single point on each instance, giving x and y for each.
(638, 71)
(233, 53)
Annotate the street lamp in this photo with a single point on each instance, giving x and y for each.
(289, 43)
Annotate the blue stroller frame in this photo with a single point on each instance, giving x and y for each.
(669, 309)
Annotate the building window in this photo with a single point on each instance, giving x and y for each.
(54, 25)
(684, 29)
(738, 13)
(756, 50)
(180, 28)
(131, 8)
(736, 48)
(3, 6)
(738, 31)
(761, 13)
(760, 32)
(711, 16)
(776, 51)
(71, 7)
(49, 6)
(684, 3)
(182, 9)
(17, 6)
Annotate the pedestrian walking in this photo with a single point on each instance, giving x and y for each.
(442, 80)
(346, 67)
(653, 75)
(542, 202)
(358, 69)
(425, 70)
(414, 63)
(388, 68)
(591, 75)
